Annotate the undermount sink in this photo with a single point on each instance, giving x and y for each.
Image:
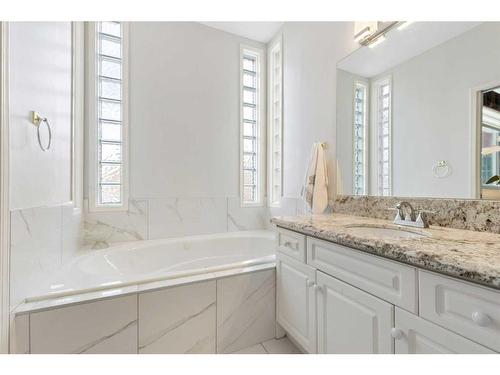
(387, 232)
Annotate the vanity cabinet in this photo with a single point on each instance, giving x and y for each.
(342, 300)
(296, 300)
(351, 321)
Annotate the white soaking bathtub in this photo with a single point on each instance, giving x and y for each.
(149, 261)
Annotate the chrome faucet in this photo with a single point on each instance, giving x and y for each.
(410, 219)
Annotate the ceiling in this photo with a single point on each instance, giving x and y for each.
(260, 31)
(402, 45)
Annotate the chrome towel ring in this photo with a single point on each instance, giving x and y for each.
(37, 120)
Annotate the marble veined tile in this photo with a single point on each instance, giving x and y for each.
(20, 335)
(178, 320)
(102, 228)
(35, 242)
(176, 217)
(72, 232)
(246, 218)
(245, 310)
(280, 346)
(255, 349)
(108, 326)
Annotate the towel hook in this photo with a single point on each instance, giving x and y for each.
(37, 120)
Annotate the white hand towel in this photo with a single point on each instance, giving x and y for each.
(315, 190)
(320, 195)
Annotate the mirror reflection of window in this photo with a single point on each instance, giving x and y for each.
(382, 90)
(490, 137)
(360, 139)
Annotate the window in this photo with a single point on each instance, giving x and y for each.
(252, 121)
(383, 122)
(490, 137)
(275, 124)
(107, 103)
(360, 139)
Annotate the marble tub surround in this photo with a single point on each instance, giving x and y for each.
(43, 240)
(245, 310)
(177, 217)
(469, 255)
(470, 214)
(175, 319)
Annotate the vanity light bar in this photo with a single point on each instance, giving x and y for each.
(372, 40)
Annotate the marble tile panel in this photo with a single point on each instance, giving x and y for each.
(246, 218)
(246, 313)
(178, 319)
(177, 217)
(20, 335)
(108, 326)
(280, 346)
(103, 228)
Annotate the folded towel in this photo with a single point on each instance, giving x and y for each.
(315, 189)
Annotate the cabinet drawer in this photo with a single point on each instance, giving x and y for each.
(470, 310)
(391, 281)
(415, 335)
(291, 243)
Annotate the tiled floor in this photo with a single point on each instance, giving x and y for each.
(274, 346)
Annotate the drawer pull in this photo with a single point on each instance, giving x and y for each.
(288, 244)
(310, 283)
(396, 333)
(481, 319)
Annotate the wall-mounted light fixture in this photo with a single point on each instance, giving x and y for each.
(372, 34)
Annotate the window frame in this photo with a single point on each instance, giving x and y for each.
(376, 86)
(261, 126)
(277, 43)
(92, 120)
(366, 134)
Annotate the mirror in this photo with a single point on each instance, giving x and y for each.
(418, 115)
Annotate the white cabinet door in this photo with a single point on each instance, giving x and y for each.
(415, 335)
(296, 302)
(351, 321)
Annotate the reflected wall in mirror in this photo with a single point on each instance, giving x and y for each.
(410, 115)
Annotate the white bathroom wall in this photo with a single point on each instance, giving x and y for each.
(311, 52)
(45, 226)
(40, 80)
(184, 136)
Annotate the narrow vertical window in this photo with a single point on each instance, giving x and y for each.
(360, 139)
(275, 124)
(251, 127)
(383, 120)
(108, 119)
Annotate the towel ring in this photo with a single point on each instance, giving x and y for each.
(442, 169)
(37, 120)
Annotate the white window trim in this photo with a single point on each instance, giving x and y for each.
(92, 121)
(366, 134)
(276, 43)
(374, 98)
(261, 136)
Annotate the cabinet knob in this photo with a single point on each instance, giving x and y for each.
(396, 333)
(481, 319)
(318, 288)
(310, 283)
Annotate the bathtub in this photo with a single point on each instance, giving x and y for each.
(142, 262)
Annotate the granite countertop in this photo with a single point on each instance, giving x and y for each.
(469, 255)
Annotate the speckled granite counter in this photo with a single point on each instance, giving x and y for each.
(469, 255)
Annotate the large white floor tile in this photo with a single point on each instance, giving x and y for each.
(245, 310)
(178, 319)
(280, 346)
(107, 326)
(255, 349)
